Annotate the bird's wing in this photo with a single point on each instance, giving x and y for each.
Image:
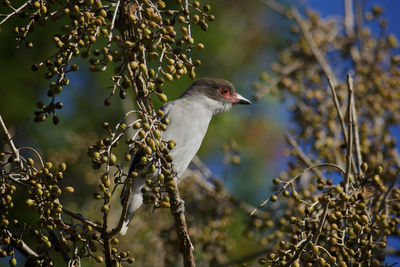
(134, 164)
(136, 160)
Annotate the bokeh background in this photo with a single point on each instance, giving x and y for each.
(241, 43)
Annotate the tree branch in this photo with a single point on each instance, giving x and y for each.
(186, 246)
(303, 156)
(16, 11)
(332, 80)
(319, 231)
(275, 6)
(355, 130)
(22, 247)
(245, 258)
(349, 156)
(56, 242)
(299, 251)
(82, 219)
(349, 17)
(297, 176)
(382, 206)
(349, 22)
(10, 143)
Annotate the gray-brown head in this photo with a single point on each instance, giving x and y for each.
(220, 94)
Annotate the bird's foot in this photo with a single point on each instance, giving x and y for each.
(181, 207)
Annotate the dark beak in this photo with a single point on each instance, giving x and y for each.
(238, 99)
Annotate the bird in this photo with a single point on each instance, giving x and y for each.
(189, 117)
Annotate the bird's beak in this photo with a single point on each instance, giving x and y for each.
(238, 99)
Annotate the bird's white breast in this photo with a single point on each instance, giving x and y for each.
(188, 123)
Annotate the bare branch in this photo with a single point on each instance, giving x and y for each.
(321, 226)
(297, 176)
(349, 17)
(186, 246)
(274, 81)
(356, 132)
(16, 11)
(110, 35)
(299, 251)
(82, 219)
(189, 29)
(55, 240)
(22, 247)
(349, 22)
(245, 258)
(389, 191)
(275, 6)
(10, 142)
(349, 156)
(332, 80)
(209, 187)
(34, 151)
(303, 156)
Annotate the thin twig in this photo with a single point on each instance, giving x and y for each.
(338, 109)
(189, 29)
(22, 247)
(113, 23)
(299, 251)
(349, 17)
(66, 211)
(10, 142)
(319, 231)
(160, 62)
(389, 191)
(359, 27)
(285, 71)
(207, 182)
(315, 50)
(275, 6)
(332, 80)
(245, 258)
(297, 176)
(355, 130)
(16, 11)
(34, 151)
(209, 187)
(82, 219)
(303, 156)
(349, 156)
(58, 246)
(199, 164)
(349, 22)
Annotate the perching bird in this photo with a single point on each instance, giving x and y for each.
(188, 116)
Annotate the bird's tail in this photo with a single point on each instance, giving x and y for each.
(124, 228)
(134, 202)
(125, 224)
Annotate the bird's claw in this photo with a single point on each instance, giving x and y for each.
(181, 207)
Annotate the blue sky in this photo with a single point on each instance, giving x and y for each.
(335, 7)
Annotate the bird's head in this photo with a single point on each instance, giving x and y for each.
(217, 94)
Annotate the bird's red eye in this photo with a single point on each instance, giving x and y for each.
(224, 92)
